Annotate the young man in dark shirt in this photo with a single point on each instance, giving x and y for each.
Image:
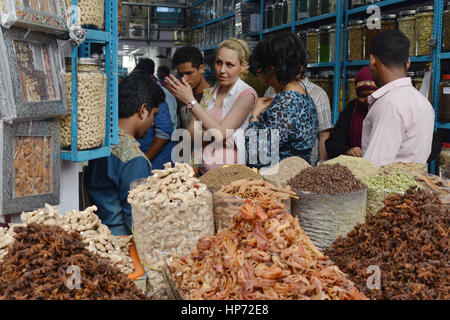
(189, 64)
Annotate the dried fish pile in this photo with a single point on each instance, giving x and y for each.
(230, 198)
(408, 240)
(96, 236)
(263, 255)
(218, 177)
(43, 263)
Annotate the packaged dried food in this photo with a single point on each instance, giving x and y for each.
(444, 99)
(91, 104)
(40, 15)
(446, 29)
(30, 76)
(424, 29)
(313, 45)
(355, 40)
(407, 25)
(370, 32)
(92, 13)
(30, 162)
(389, 22)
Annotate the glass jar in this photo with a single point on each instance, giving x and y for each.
(278, 14)
(333, 6)
(356, 3)
(313, 45)
(285, 12)
(444, 157)
(369, 35)
(350, 89)
(92, 13)
(313, 8)
(424, 29)
(290, 9)
(446, 29)
(332, 43)
(326, 83)
(91, 104)
(302, 9)
(302, 37)
(325, 6)
(389, 22)
(407, 25)
(418, 79)
(444, 99)
(269, 16)
(324, 43)
(355, 40)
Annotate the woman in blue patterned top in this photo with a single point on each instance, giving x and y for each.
(279, 61)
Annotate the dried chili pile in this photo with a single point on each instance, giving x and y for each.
(43, 262)
(264, 254)
(408, 240)
(334, 178)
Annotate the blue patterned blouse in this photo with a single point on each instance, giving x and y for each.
(295, 116)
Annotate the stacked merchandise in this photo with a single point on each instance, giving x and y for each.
(247, 17)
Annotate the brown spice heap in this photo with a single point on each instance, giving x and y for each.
(333, 179)
(36, 267)
(408, 240)
(216, 178)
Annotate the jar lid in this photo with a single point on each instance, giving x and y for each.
(426, 8)
(407, 13)
(313, 30)
(358, 21)
(446, 77)
(326, 27)
(279, 4)
(388, 16)
(270, 6)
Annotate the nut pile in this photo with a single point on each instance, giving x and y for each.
(332, 179)
(41, 264)
(91, 87)
(378, 187)
(360, 167)
(285, 170)
(92, 12)
(171, 210)
(32, 166)
(218, 177)
(408, 240)
(96, 236)
(264, 254)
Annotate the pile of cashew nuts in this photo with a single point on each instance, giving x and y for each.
(171, 210)
(6, 241)
(96, 236)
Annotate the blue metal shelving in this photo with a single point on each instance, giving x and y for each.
(445, 56)
(226, 16)
(110, 37)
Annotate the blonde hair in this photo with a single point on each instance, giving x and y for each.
(238, 45)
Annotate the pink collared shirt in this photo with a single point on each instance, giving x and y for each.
(399, 125)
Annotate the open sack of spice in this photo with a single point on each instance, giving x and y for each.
(331, 201)
(171, 210)
(230, 198)
(403, 248)
(264, 254)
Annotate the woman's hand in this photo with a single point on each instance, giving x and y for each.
(261, 105)
(355, 152)
(181, 90)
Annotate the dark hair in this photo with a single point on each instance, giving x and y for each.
(134, 91)
(187, 54)
(146, 66)
(391, 47)
(285, 52)
(164, 69)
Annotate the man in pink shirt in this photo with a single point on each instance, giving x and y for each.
(400, 121)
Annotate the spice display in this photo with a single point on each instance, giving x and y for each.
(91, 104)
(312, 43)
(230, 198)
(92, 12)
(171, 210)
(446, 29)
(218, 177)
(370, 33)
(264, 254)
(360, 167)
(96, 236)
(389, 22)
(51, 253)
(379, 187)
(424, 29)
(355, 40)
(444, 99)
(285, 170)
(332, 179)
(36, 72)
(408, 241)
(324, 43)
(407, 25)
(32, 166)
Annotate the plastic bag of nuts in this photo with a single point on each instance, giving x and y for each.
(171, 210)
(91, 87)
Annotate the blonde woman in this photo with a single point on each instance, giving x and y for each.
(227, 105)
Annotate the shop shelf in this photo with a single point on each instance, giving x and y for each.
(321, 65)
(284, 26)
(441, 125)
(379, 4)
(226, 16)
(445, 55)
(315, 19)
